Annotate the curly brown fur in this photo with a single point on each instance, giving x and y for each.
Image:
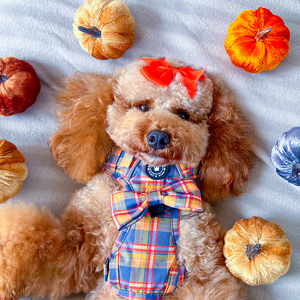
(43, 256)
(29, 239)
(229, 156)
(82, 106)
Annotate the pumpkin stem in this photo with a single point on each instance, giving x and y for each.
(252, 250)
(93, 31)
(296, 170)
(3, 78)
(261, 34)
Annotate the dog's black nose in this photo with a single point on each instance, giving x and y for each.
(158, 139)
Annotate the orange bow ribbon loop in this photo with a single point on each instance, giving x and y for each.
(160, 73)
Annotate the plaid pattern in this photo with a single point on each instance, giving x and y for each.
(143, 261)
(129, 207)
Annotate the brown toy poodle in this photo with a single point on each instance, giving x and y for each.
(152, 124)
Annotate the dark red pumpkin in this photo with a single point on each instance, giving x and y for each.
(19, 86)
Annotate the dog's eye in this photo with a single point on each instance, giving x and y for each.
(183, 115)
(143, 107)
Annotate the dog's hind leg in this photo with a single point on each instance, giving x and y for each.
(41, 255)
(30, 239)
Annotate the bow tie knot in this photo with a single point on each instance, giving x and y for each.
(129, 207)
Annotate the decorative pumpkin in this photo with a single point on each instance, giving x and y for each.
(13, 170)
(19, 86)
(257, 251)
(104, 28)
(285, 156)
(257, 40)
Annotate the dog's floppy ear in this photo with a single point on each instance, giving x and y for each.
(229, 156)
(81, 144)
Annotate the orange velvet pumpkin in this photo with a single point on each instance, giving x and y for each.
(104, 28)
(13, 170)
(257, 251)
(257, 40)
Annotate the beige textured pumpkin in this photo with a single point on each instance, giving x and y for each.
(13, 170)
(104, 28)
(257, 251)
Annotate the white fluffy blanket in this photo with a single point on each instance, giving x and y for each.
(193, 31)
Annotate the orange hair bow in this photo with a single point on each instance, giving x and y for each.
(160, 73)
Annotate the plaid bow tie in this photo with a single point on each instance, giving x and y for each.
(129, 207)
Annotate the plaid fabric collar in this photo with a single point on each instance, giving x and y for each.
(122, 163)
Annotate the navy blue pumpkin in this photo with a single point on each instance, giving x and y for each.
(286, 156)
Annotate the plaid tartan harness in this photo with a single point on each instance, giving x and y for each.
(143, 262)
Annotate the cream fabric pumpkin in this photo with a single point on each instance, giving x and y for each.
(257, 251)
(104, 28)
(13, 170)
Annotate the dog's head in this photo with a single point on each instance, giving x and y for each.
(160, 125)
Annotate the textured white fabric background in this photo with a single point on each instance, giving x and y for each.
(192, 31)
